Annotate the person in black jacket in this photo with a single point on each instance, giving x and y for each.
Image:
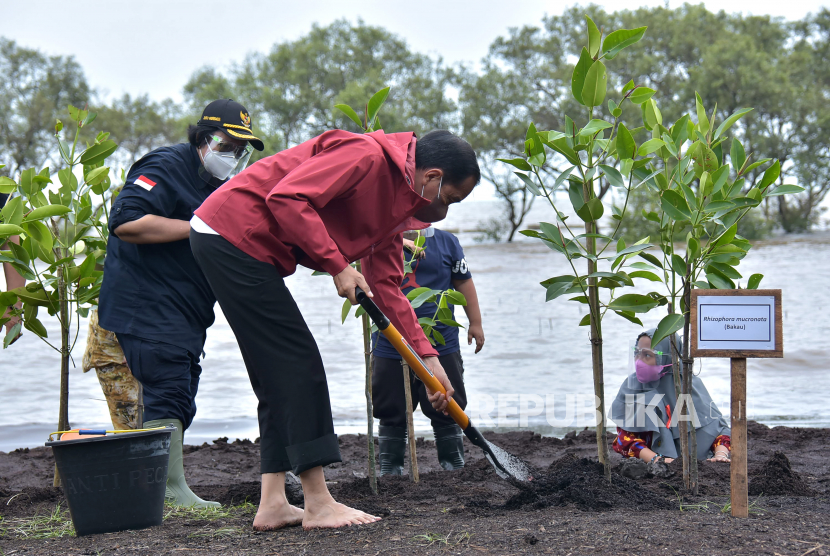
(154, 296)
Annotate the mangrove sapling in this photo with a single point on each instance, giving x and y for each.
(702, 193)
(592, 158)
(369, 123)
(53, 226)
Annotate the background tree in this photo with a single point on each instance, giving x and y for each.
(291, 91)
(34, 91)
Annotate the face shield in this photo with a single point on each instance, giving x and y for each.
(225, 159)
(647, 365)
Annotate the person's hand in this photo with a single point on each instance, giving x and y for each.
(475, 332)
(347, 281)
(417, 252)
(721, 456)
(668, 460)
(439, 400)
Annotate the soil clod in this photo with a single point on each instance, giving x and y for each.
(776, 476)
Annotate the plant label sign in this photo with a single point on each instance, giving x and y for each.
(736, 323)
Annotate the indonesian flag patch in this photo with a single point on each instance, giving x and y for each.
(145, 182)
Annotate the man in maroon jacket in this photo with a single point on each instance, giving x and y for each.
(337, 198)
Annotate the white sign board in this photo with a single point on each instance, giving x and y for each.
(736, 322)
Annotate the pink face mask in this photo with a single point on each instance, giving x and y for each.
(648, 373)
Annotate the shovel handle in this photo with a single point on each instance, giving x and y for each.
(413, 360)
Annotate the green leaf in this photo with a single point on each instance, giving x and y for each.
(349, 111)
(7, 230)
(529, 183)
(730, 121)
(784, 190)
(652, 259)
(725, 269)
(98, 152)
(719, 178)
(613, 175)
(595, 126)
(96, 176)
(645, 274)
(719, 282)
(34, 325)
(641, 94)
(668, 326)
(633, 302)
(596, 82)
(456, 298)
(586, 320)
(616, 41)
(692, 247)
(678, 265)
(519, 163)
(7, 185)
(650, 146)
(575, 194)
(344, 311)
(422, 298)
(675, 205)
(563, 176)
(591, 211)
(770, 175)
(737, 154)
(727, 236)
(580, 71)
(626, 147)
(754, 281)
(629, 316)
(375, 103)
(557, 289)
(754, 165)
(594, 37)
(46, 212)
(439, 337)
(702, 120)
(704, 159)
(13, 332)
(40, 233)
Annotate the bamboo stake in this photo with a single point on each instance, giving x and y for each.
(410, 425)
(370, 419)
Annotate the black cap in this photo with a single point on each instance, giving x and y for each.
(232, 118)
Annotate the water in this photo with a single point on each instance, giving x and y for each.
(533, 349)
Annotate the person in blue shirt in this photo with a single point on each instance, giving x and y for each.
(440, 265)
(154, 297)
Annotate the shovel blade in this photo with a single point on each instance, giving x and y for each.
(506, 465)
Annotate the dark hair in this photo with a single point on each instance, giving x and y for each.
(453, 155)
(196, 133)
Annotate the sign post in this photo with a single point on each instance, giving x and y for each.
(738, 324)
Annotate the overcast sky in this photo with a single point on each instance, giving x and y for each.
(153, 46)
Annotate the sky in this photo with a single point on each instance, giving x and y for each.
(153, 46)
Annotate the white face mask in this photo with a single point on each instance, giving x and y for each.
(220, 165)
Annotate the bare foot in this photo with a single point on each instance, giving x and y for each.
(277, 517)
(333, 514)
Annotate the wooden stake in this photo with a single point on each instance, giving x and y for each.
(740, 497)
(410, 425)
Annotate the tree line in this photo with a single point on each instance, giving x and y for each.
(777, 67)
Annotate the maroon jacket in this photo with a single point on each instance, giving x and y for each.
(334, 199)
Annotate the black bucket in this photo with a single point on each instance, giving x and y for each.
(114, 482)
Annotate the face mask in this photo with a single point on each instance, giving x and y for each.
(219, 164)
(436, 210)
(649, 373)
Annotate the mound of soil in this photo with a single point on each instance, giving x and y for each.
(580, 482)
(776, 477)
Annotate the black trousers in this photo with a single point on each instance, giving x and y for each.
(168, 374)
(280, 354)
(389, 398)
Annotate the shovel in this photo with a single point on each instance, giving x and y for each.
(507, 466)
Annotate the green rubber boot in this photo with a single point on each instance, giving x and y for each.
(178, 493)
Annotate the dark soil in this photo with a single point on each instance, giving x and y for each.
(569, 508)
